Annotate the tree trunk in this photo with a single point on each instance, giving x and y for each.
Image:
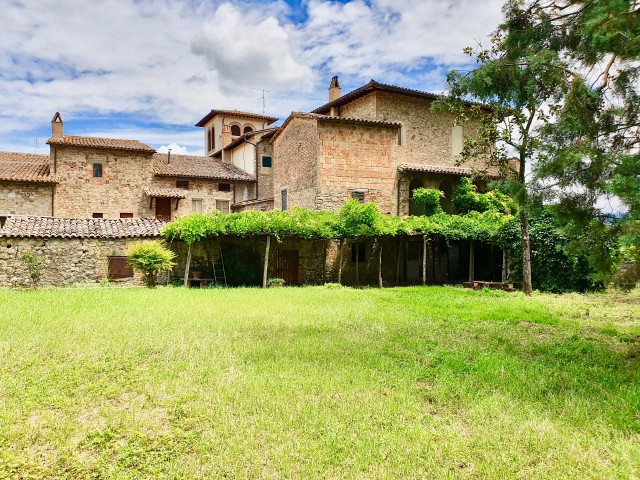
(266, 263)
(185, 283)
(340, 255)
(424, 260)
(527, 288)
(472, 260)
(379, 264)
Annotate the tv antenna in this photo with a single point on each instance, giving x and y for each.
(264, 99)
(36, 147)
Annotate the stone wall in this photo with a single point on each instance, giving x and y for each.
(68, 261)
(295, 154)
(119, 190)
(201, 189)
(265, 175)
(363, 107)
(356, 157)
(21, 198)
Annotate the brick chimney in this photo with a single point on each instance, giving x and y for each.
(335, 92)
(57, 126)
(226, 135)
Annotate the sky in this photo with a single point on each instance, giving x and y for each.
(150, 69)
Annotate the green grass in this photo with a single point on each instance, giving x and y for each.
(318, 383)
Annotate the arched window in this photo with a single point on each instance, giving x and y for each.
(414, 208)
(248, 129)
(446, 187)
(211, 139)
(235, 130)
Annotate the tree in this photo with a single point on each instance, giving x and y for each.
(150, 258)
(515, 80)
(35, 266)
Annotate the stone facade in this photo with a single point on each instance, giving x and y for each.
(23, 198)
(68, 261)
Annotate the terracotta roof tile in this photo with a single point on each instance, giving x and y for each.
(416, 167)
(25, 167)
(235, 113)
(197, 167)
(52, 227)
(157, 192)
(103, 143)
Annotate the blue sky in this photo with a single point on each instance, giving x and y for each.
(150, 69)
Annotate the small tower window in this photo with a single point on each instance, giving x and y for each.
(97, 170)
(211, 139)
(235, 130)
(267, 162)
(248, 129)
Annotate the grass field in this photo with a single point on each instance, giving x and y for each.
(318, 383)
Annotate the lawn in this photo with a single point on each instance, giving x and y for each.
(318, 382)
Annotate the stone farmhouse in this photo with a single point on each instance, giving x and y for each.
(377, 143)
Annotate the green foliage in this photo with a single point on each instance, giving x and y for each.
(35, 266)
(354, 220)
(276, 281)
(557, 264)
(429, 199)
(467, 199)
(150, 258)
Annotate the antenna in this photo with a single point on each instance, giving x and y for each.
(264, 99)
(36, 147)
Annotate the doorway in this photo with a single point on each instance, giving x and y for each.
(163, 209)
(287, 266)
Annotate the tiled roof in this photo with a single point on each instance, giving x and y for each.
(25, 167)
(157, 192)
(374, 86)
(235, 113)
(416, 167)
(103, 143)
(197, 167)
(327, 118)
(52, 227)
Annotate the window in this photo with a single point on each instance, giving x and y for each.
(97, 215)
(283, 197)
(119, 268)
(457, 140)
(222, 206)
(266, 161)
(126, 215)
(357, 252)
(399, 135)
(358, 195)
(235, 130)
(224, 187)
(196, 205)
(182, 184)
(211, 139)
(248, 129)
(97, 170)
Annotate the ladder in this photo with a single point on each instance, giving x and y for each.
(217, 263)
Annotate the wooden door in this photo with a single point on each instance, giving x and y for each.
(163, 209)
(287, 266)
(414, 261)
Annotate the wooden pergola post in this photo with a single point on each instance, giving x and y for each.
(505, 265)
(340, 255)
(379, 263)
(472, 260)
(357, 263)
(424, 260)
(266, 262)
(185, 283)
(398, 257)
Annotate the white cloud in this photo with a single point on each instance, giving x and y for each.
(175, 149)
(248, 49)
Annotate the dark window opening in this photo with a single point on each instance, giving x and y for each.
(184, 184)
(400, 136)
(266, 161)
(119, 268)
(248, 129)
(235, 130)
(211, 140)
(358, 195)
(97, 215)
(358, 251)
(97, 170)
(126, 215)
(224, 187)
(283, 196)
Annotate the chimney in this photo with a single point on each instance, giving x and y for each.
(57, 126)
(226, 135)
(335, 92)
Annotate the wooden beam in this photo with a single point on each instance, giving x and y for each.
(340, 255)
(398, 257)
(266, 262)
(185, 283)
(472, 260)
(424, 259)
(505, 263)
(379, 263)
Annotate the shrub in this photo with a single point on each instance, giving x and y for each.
(466, 199)
(276, 281)
(150, 258)
(429, 198)
(35, 266)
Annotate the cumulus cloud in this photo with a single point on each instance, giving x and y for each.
(248, 50)
(175, 149)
